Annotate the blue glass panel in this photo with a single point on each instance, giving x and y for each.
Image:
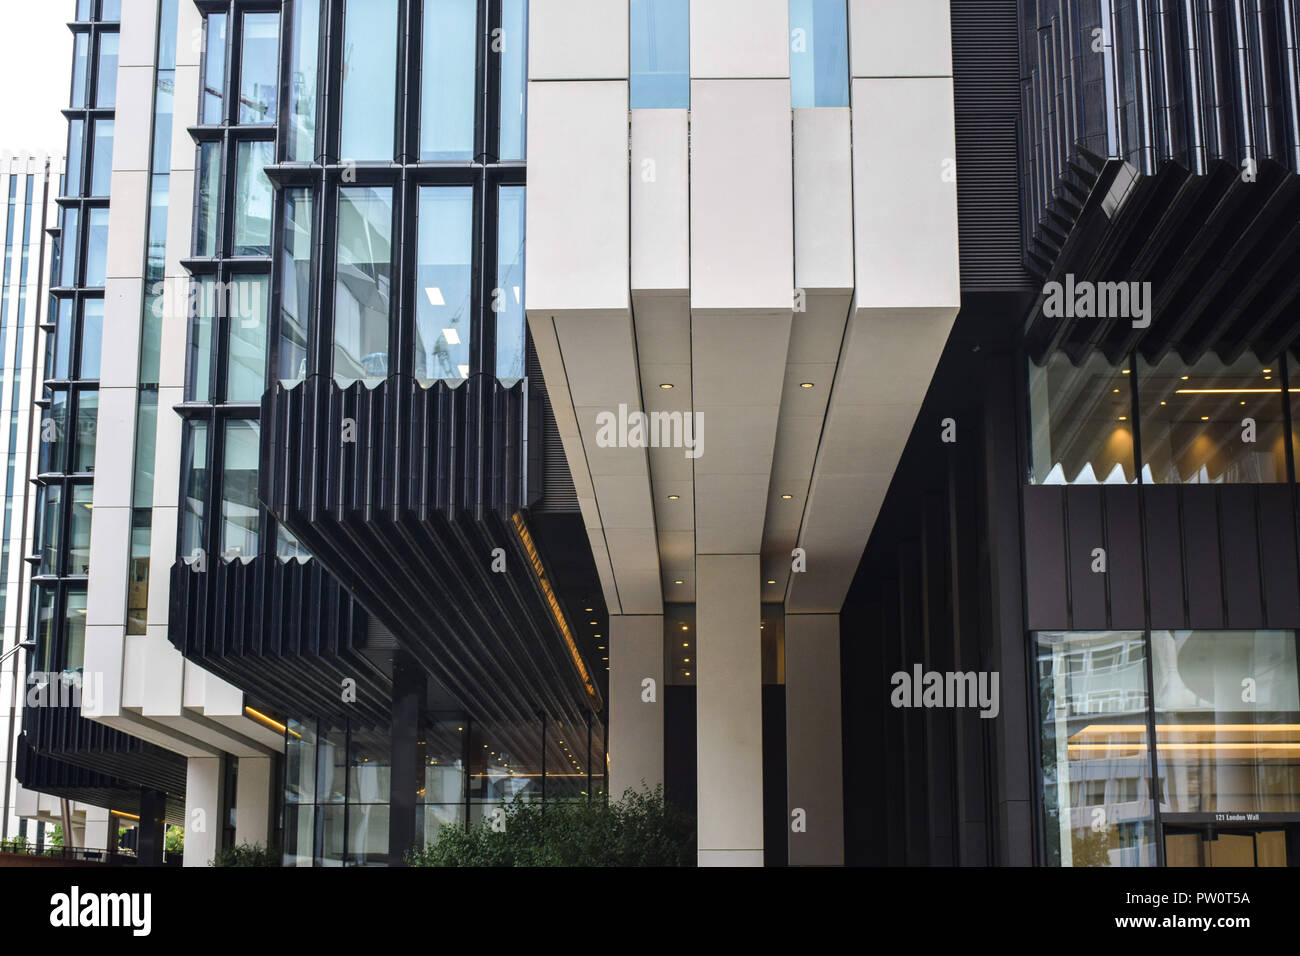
(369, 80)
(447, 83)
(661, 54)
(819, 53)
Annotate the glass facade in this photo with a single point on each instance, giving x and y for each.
(369, 68)
(660, 33)
(819, 53)
(363, 284)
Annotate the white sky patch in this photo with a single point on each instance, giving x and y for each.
(35, 74)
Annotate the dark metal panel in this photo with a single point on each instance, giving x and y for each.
(1085, 535)
(776, 849)
(1045, 559)
(1204, 566)
(1278, 557)
(1164, 557)
(1239, 535)
(1125, 577)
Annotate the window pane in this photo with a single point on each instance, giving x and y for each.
(239, 509)
(198, 374)
(442, 335)
(72, 184)
(447, 80)
(96, 248)
(68, 260)
(258, 66)
(147, 430)
(110, 11)
(92, 325)
(102, 162)
(214, 71)
(246, 351)
(362, 285)
(195, 495)
(1081, 429)
(300, 764)
(61, 366)
(106, 80)
(1227, 721)
(83, 460)
(1096, 767)
(370, 44)
(1212, 423)
(253, 199)
(79, 529)
(302, 81)
(661, 53)
(137, 585)
(296, 285)
(819, 53)
(287, 547)
(51, 529)
(53, 434)
(514, 77)
(85, 9)
(331, 765)
(80, 69)
(44, 631)
(508, 299)
(205, 238)
(368, 835)
(74, 634)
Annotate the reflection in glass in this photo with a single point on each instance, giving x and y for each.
(239, 507)
(96, 248)
(72, 179)
(508, 299)
(289, 548)
(92, 327)
(68, 259)
(370, 45)
(205, 238)
(80, 71)
(370, 766)
(447, 80)
(214, 70)
(102, 158)
(258, 65)
(60, 366)
(368, 834)
(79, 529)
(50, 506)
(300, 764)
(1227, 721)
(137, 587)
(194, 490)
(514, 78)
(52, 451)
(1081, 427)
(819, 53)
(302, 81)
(1194, 428)
(110, 11)
(331, 765)
(246, 338)
(198, 378)
(253, 198)
(106, 78)
(74, 633)
(83, 455)
(661, 54)
(1092, 706)
(363, 284)
(299, 826)
(442, 334)
(504, 765)
(45, 631)
(296, 290)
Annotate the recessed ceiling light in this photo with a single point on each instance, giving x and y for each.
(1205, 418)
(596, 636)
(589, 610)
(786, 497)
(1186, 377)
(1123, 418)
(688, 673)
(673, 497)
(435, 295)
(594, 623)
(452, 336)
(685, 628)
(686, 643)
(666, 385)
(677, 582)
(1267, 370)
(805, 384)
(1125, 372)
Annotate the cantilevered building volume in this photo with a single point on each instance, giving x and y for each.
(791, 403)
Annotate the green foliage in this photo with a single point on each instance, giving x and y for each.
(642, 829)
(174, 840)
(56, 837)
(247, 854)
(17, 844)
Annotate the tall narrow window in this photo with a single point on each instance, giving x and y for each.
(302, 81)
(137, 590)
(102, 162)
(214, 70)
(110, 11)
(296, 285)
(513, 44)
(442, 335)
(447, 84)
(92, 329)
(209, 188)
(253, 199)
(106, 79)
(363, 284)
(51, 529)
(508, 297)
(70, 239)
(258, 68)
(76, 133)
(79, 529)
(195, 489)
(1081, 422)
(80, 71)
(246, 339)
(819, 53)
(661, 53)
(74, 635)
(96, 248)
(83, 455)
(370, 45)
(198, 378)
(239, 507)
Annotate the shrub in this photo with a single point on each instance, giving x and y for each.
(642, 829)
(247, 854)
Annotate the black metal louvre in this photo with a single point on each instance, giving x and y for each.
(281, 631)
(1137, 163)
(62, 734)
(38, 772)
(409, 514)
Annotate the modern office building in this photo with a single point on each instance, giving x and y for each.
(861, 341)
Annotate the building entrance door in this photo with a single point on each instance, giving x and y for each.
(1267, 845)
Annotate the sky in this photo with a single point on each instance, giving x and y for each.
(35, 74)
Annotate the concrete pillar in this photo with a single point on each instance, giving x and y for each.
(814, 740)
(153, 824)
(101, 829)
(253, 800)
(636, 709)
(729, 707)
(202, 809)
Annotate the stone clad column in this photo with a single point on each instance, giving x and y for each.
(814, 741)
(636, 723)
